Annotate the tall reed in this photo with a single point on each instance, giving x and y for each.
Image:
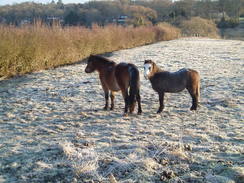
(35, 47)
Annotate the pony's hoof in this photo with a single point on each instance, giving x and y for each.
(139, 112)
(193, 108)
(105, 108)
(111, 108)
(159, 111)
(125, 115)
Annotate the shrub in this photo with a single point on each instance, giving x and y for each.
(165, 31)
(228, 23)
(199, 26)
(32, 48)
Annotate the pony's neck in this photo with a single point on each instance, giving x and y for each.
(156, 69)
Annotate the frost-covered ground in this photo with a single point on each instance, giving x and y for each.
(53, 128)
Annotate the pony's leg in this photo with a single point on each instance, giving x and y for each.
(161, 102)
(194, 90)
(106, 100)
(126, 99)
(132, 104)
(194, 99)
(132, 107)
(138, 98)
(194, 103)
(198, 94)
(106, 93)
(124, 91)
(112, 100)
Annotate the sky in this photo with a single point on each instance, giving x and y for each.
(5, 2)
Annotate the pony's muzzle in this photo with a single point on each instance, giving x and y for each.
(87, 70)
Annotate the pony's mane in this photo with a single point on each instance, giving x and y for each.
(102, 59)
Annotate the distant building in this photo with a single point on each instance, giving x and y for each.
(54, 20)
(218, 15)
(25, 22)
(3, 20)
(121, 20)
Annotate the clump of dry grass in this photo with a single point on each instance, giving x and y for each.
(166, 31)
(200, 27)
(35, 47)
(84, 161)
(149, 164)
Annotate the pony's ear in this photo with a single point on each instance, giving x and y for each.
(89, 57)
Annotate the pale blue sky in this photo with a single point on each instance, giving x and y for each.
(4, 2)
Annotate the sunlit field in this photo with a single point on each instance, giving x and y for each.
(53, 127)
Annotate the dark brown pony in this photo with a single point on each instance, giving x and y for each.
(115, 77)
(172, 82)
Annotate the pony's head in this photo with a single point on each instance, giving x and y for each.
(148, 68)
(90, 64)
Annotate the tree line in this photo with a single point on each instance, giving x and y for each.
(126, 12)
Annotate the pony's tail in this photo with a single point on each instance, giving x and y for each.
(198, 92)
(134, 87)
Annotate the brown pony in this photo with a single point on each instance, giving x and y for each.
(115, 77)
(172, 82)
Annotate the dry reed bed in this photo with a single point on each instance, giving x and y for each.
(32, 48)
(52, 128)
